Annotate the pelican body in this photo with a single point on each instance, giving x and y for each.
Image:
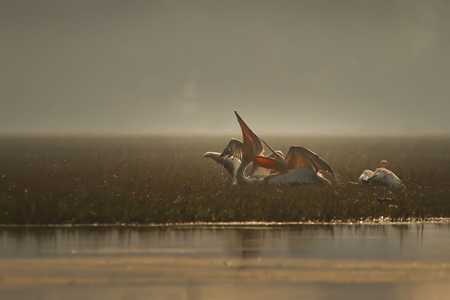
(297, 177)
(381, 176)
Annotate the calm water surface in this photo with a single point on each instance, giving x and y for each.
(410, 261)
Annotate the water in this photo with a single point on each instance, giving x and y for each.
(408, 261)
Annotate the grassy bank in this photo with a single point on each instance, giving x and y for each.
(57, 180)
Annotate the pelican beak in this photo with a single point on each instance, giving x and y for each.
(252, 144)
(265, 162)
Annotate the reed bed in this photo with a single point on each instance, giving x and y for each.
(158, 179)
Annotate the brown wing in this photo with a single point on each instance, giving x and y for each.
(252, 144)
(301, 157)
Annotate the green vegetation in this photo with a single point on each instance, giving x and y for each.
(55, 180)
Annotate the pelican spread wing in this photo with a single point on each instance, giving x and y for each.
(385, 177)
(234, 149)
(297, 158)
(301, 166)
(301, 157)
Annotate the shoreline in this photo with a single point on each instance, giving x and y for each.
(375, 222)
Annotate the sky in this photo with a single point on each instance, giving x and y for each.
(183, 66)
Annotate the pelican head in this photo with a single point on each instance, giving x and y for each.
(384, 164)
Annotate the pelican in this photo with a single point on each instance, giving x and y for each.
(381, 176)
(301, 165)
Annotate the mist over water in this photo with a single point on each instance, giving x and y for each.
(288, 67)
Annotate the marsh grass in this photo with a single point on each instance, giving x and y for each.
(55, 180)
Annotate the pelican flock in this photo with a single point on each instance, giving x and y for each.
(247, 165)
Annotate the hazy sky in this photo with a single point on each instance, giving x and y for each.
(300, 66)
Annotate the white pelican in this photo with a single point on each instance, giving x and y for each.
(301, 166)
(381, 176)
